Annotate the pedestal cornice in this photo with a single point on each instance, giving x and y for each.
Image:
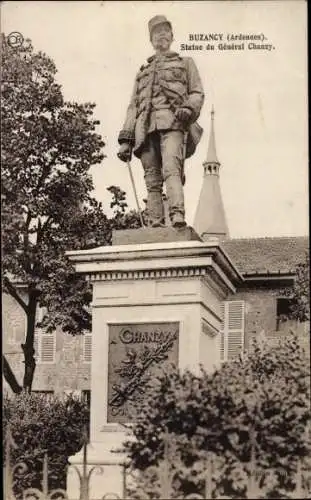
(157, 260)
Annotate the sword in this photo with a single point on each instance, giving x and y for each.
(184, 149)
(135, 193)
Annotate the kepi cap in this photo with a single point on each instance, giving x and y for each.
(157, 20)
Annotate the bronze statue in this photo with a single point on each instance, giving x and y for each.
(160, 125)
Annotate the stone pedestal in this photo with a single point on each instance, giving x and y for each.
(177, 284)
(145, 235)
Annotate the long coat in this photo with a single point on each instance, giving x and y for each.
(165, 83)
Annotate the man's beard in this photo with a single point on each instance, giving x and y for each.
(163, 43)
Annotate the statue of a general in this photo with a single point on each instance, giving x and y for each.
(160, 125)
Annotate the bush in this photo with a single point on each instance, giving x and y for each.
(250, 416)
(40, 424)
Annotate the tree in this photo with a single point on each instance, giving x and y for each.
(300, 292)
(123, 219)
(48, 147)
(251, 416)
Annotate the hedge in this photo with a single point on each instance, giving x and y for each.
(38, 425)
(250, 416)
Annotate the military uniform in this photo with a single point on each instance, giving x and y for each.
(161, 141)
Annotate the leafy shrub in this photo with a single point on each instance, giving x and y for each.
(40, 424)
(300, 291)
(250, 416)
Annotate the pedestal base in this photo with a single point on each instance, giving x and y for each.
(142, 292)
(104, 473)
(153, 235)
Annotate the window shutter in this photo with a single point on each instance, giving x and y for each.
(47, 347)
(45, 342)
(232, 331)
(235, 331)
(87, 347)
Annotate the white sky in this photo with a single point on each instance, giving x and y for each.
(260, 97)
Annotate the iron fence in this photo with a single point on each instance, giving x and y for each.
(164, 472)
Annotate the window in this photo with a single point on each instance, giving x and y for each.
(283, 309)
(87, 347)
(44, 342)
(232, 329)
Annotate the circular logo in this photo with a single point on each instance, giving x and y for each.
(15, 39)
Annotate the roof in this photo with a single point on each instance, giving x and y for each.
(267, 255)
(210, 217)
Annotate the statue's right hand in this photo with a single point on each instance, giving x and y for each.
(125, 152)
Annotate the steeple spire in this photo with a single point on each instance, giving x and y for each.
(210, 218)
(211, 151)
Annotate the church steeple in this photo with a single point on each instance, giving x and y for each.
(211, 151)
(210, 219)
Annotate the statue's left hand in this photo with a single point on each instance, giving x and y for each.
(183, 114)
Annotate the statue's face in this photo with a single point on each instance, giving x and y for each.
(162, 37)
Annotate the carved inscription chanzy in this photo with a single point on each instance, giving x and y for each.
(137, 352)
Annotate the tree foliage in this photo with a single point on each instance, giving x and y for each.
(250, 416)
(39, 425)
(122, 218)
(48, 148)
(300, 292)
